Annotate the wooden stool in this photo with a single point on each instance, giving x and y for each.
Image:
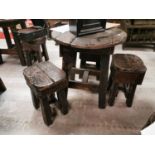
(93, 58)
(33, 42)
(127, 71)
(85, 57)
(44, 79)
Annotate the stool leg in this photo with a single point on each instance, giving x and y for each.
(1, 60)
(82, 65)
(35, 100)
(104, 65)
(19, 49)
(35, 57)
(46, 110)
(39, 55)
(2, 86)
(98, 67)
(52, 98)
(72, 75)
(112, 94)
(109, 82)
(28, 59)
(62, 101)
(45, 52)
(131, 94)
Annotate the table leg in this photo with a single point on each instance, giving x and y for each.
(7, 37)
(19, 49)
(69, 60)
(1, 59)
(104, 67)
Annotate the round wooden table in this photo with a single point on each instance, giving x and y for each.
(101, 44)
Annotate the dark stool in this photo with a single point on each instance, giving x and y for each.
(127, 71)
(44, 79)
(33, 42)
(84, 58)
(87, 57)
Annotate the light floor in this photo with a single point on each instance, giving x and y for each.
(17, 115)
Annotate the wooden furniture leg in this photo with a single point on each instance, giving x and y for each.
(82, 64)
(1, 59)
(130, 95)
(104, 66)
(45, 52)
(19, 50)
(62, 100)
(28, 59)
(69, 59)
(35, 100)
(112, 94)
(2, 86)
(7, 37)
(39, 55)
(109, 82)
(46, 110)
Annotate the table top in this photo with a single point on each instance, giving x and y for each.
(109, 38)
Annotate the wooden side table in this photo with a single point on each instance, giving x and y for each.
(101, 44)
(15, 48)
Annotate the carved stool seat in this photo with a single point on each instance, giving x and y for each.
(44, 79)
(127, 71)
(33, 42)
